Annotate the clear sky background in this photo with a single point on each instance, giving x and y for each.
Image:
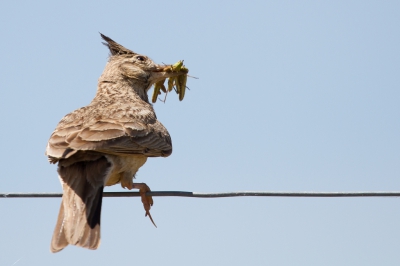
(292, 96)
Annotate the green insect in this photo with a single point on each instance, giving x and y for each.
(177, 66)
(180, 84)
(178, 81)
(171, 83)
(157, 87)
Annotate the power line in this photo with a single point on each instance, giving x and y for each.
(220, 194)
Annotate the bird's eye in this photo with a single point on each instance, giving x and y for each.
(140, 58)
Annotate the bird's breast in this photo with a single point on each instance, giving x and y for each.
(124, 166)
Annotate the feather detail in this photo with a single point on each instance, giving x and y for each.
(78, 221)
(115, 48)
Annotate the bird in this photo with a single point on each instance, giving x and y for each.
(105, 143)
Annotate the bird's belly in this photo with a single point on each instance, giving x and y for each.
(124, 166)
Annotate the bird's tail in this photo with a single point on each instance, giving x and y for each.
(78, 221)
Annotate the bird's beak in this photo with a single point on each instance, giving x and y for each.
(161, 72)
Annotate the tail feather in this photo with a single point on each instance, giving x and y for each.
(58, 242)
(78, 221)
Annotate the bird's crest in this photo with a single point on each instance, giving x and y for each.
(115, 48)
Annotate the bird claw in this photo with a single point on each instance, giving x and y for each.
(147, 201)
(151, 218)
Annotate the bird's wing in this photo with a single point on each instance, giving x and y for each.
(124, 130)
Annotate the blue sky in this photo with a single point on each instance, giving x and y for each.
(291, 96)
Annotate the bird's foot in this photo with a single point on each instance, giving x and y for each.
(146, 200)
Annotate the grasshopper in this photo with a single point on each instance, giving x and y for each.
(179, 82)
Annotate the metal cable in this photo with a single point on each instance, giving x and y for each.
(219, 195)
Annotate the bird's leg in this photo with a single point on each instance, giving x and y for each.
(146, 200)
(127, 182)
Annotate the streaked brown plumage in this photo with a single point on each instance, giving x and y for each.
(105, 143)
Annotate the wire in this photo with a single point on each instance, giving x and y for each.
(219, 195)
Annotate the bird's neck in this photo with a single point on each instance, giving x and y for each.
(122, 90)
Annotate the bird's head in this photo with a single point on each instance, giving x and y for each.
(125, 64)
